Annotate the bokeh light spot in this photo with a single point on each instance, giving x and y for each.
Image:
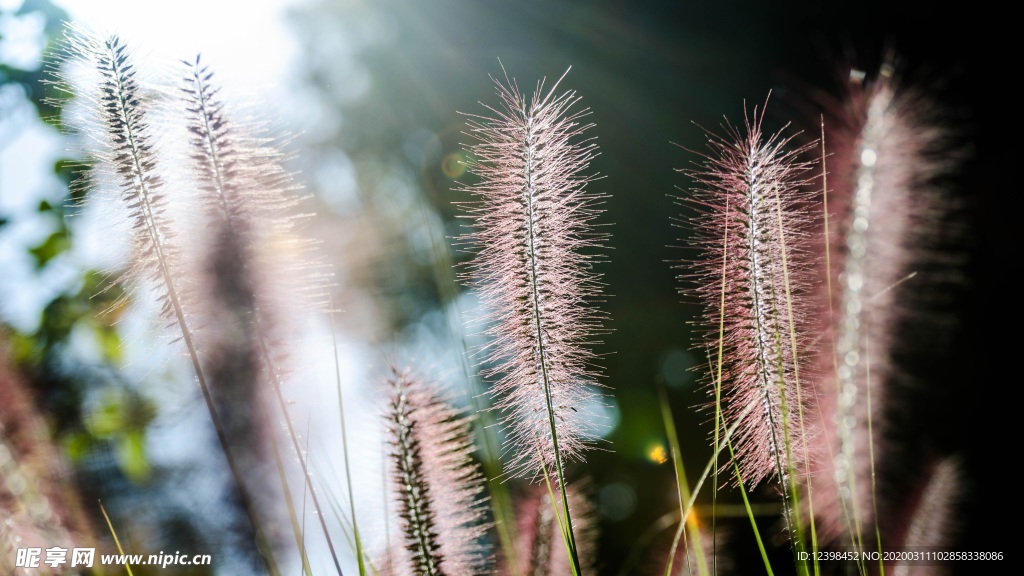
(617, 501)
(453, 165)
(676, 368)
(656, 453)
(691, 519)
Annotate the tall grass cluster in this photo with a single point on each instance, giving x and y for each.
(804, 251)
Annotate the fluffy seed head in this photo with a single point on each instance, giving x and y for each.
(886, 151)
(111, 113)
(750, 226)
(540, 550)
(535, 242)
(438, 487)
(247, 193)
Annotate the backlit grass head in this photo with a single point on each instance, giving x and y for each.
(751, 222)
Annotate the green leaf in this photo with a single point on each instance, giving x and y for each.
(108, 419)
(76, 445)
(131, 456)
(23, 349)
(53, 246)
(110, 344)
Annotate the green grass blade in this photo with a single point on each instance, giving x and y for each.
(344, 450)
(719, 418)
(563, 521)
(794, 495)
(117, 541)
(683, 487)
(300, 538)
(750, 511)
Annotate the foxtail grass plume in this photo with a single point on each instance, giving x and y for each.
(539, 547)
(929, 518)
(114, 115)
(750, 225)
(230, 340)
(247, 193)
(535, 241)
(260, 274)
(244, 193)
(437, 486)
(882, 200)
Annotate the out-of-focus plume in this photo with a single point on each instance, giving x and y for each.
(929, 518)
(260, 276)
(38, 504)
(886, 150)
(539, 547)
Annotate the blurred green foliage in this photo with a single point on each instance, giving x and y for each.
(31, 80)
(72, 356)
(66, 379)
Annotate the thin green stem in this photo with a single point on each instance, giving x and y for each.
(799, 400)
(117, 541)
(534, 269)
(300, 539)
(564, 528)
(344, 450)
(750, 512)
(719, 419)
(683, 488)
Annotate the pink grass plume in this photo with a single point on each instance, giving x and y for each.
(437, 486)
(539, 548)
(535, 241)
(886, 151)
(751, 225)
